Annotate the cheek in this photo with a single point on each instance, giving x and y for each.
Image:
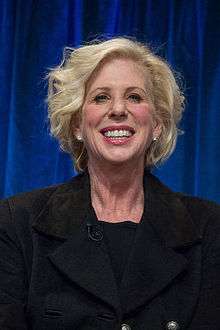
(90, 116)
(143, 115)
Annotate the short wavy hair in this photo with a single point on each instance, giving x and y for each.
(67, 86)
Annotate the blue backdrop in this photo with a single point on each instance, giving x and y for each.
(32, 36)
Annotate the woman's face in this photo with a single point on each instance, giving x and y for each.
(117, 123)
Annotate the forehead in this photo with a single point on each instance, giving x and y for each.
(123, 71)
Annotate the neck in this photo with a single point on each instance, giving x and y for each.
(117, 192)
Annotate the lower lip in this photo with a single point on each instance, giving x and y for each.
(117, 141)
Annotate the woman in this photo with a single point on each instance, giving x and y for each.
(113, 248)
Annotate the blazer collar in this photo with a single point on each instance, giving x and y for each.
(66, 209)
(165, 226)
(70, 205)
(156, 260)
(168, 215)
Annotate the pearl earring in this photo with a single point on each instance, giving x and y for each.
(79, 138)
(155, 138)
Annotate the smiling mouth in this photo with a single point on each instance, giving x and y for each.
(117, 133)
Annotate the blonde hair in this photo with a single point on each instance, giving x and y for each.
(66, 93)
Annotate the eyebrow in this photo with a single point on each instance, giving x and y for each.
(136, 87)
(107, 89)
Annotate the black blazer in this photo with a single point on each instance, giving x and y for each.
(53, 275)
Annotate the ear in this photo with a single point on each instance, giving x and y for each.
(76, 126)
(78, 134)
(157, 130)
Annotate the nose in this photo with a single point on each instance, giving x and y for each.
(118, 110)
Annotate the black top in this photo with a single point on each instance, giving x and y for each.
(119, 239)
(53, 276)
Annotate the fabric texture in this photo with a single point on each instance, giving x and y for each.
(32, 37)
(119, 240)
(57, 274)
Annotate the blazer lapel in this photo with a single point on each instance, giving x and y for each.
(87, 264)
(154, 261)
(83, 260)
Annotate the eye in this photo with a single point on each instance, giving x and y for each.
(101, 98)
(136, 98)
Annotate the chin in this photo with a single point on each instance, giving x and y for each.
(118, 160)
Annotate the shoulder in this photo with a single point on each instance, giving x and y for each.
(204, 214)
(199, 207)
(30, 204)
(196, 206)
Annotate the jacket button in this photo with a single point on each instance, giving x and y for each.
(125, 326)
(172, 325)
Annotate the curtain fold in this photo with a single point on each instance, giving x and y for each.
(32, 38)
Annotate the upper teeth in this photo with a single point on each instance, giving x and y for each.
(118, 133)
